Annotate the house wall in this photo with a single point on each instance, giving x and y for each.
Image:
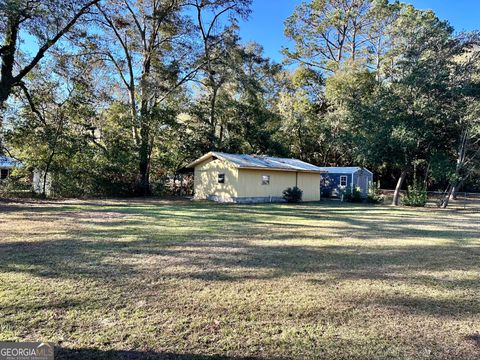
(250, 184)
(361, 178)
(37, 182)
(245, 185)
(206, 184)
(309, 183)
(251, 188)
(331, 182)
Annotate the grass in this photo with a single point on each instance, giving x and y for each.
(180, 280)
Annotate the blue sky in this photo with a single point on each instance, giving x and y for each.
(265, 24)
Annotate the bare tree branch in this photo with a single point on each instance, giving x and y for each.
(43, 49)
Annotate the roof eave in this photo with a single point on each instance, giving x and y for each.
(282, 169)
(200, 160)
(219, 156)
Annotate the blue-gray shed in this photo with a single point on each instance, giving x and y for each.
(7, 164)
(338, 179)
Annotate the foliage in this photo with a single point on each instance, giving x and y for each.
(144, 50)
(16, 185)
(123, 94)
(416, 195)
(326, 192)
(46, 23)
(342, 32)
(374, 195)
(352, 195)
(293, 194)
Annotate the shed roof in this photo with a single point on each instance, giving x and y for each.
(344, 169)
(8, 162)
(260, 162)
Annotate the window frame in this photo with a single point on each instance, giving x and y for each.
(222, 177)
(346, 180)
(265, 181)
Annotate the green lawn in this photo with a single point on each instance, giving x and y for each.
(180, 280)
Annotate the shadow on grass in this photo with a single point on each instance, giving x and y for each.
(93, 354)
(475, 338)
(214, 244)
(108, 263)
(275, 221)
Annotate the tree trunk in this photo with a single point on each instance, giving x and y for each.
(145, 125)
(354, 41)
(460, 164)
(47, 169)
(44, 187)
(144, 149)
(144, 162)
(378, 58)
(144, 177)
(5, 89)
(8, 58)
(453, 192)
(220, 135)
(446, 199)
(396, 194)
(212, 120)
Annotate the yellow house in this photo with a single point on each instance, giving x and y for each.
(249, 178)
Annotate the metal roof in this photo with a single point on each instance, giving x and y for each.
(260, 162)
(344, 169)
(8, 162)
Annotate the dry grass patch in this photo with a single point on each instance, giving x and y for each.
(140, 279)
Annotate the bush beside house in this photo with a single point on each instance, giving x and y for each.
(293, 195)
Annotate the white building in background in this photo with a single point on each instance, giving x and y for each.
(8, 164)
(37, 182)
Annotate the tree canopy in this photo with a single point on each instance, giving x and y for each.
(114, 97)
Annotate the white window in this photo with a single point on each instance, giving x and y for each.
(221, 178)
(343, 180)
(265, 179)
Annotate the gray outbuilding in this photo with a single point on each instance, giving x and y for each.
(338, 179)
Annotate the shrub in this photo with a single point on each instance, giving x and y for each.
(293, 195)
(417, 195)
(374, 195)
(326, 193)
(17, 185)
(353, 195)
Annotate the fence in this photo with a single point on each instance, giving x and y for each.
(463, 201)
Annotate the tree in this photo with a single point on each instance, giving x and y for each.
(465, 114)
(149, 85)
(330, 33)
(348, 38)
(358, 103)
(145, 44)
(217, 41)
(54, 122)
(46, 21)
(418, 68)
(251, 122)
(400, 118)
(306, 128)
